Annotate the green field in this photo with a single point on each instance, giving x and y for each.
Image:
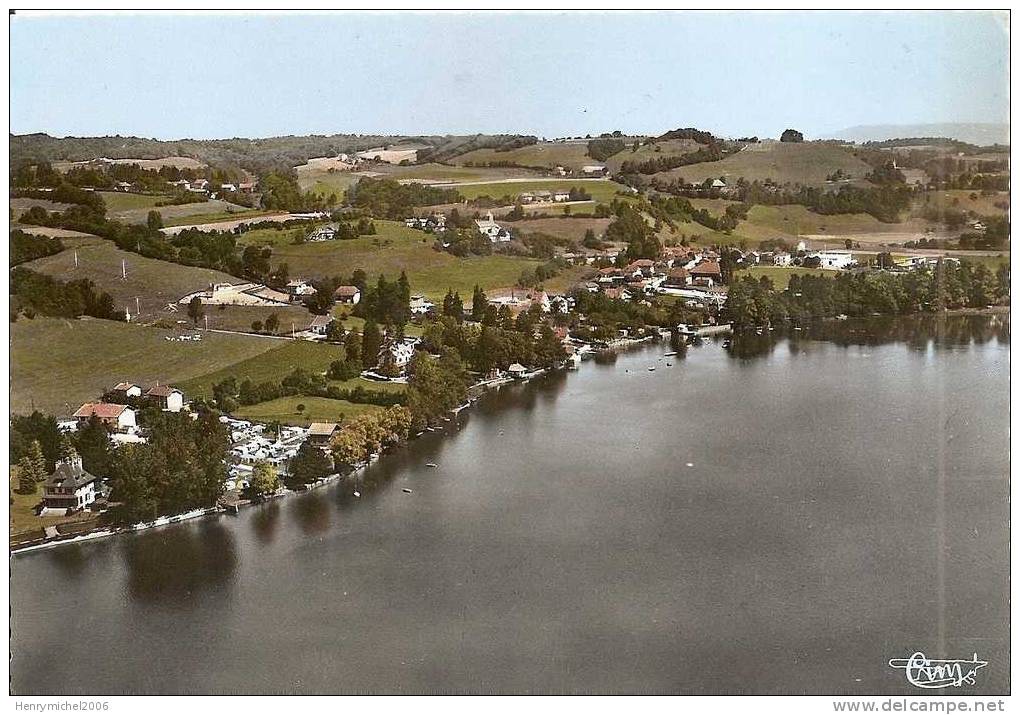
(544, 154)
(272, 364)
(796, 220)
(240, 317)
(57, 362)
(316, 409)
(961, 199)
(601, 190)
(393, 249)
(211, 216)
(155, 283)
(656, 150)
(808, 163)
(570, 229)
(120, 201)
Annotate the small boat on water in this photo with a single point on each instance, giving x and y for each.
(669, 354)
(407, 491)
(357, 493)
(651, 368)
(432, 464)
(669, 364)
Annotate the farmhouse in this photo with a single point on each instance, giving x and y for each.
(167, 398)
(594, 170)
(324, 233)
(495, 233)
(707, 273)
(320, 433)
(401, 351)
(127, 389)
(119, 418)
(300, 287)
(319, 324)
(238, 294)
(347, 294)
(70, 487)
(420, 305)
(677, 278)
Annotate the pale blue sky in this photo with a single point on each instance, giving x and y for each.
(550, 74)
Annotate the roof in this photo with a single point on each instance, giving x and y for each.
(102, 410)
(706, 268)
(322, 429)
(347, 291)
(125, 386)
(320, 321)
(678, 273)
(517, 367)
(69, 475)
(161, 391)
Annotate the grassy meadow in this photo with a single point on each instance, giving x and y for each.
(316, 409)
(57, 362)
(808, 163)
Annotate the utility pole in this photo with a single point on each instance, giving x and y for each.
(123, 270)
(76, 258)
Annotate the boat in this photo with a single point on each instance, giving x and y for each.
(669, 364)
(407, 491)
(432, 464)
(357, 493)
(669, 354)
(651, 368)
(574, 362)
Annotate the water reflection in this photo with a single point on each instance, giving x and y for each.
(917, 332)
(202, 558)
(312, 513)
(266, 521)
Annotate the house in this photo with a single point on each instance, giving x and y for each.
(488, 227)
(326, 232)
(199, 186)
(320, 433)
(707, 273)
(420, 305)
(246, 187)
(643, 267)
(781, 258)
(560, 196)
(228, 187)
(718, 184)
(400, 351)
(122, 186)
(127, 389)
(347, 294)
(238, 294)
(517, 371)
(119, 418)
(299, 288)
(167, 398)
(677, 278)
(319, 324)
(834, 260)
(594, 170)
(70, 487)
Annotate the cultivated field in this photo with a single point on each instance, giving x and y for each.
(600, 189)
(135, 208)
(180, 162)
(963, 201)
(393, 249)
(240, 317)
(57, 362)
(155, 283)
(780, 277)
(657, 150)
(571, 229)
(20, 206)
(807, 163)
(52, 232)
(546, 155)
(315, 409)
(279, 359)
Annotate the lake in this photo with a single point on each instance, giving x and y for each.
(782, 516)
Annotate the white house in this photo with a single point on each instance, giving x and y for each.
(128, 389)
(70, 487)
(120, 418)
(169, 399)
(594, 169)
(420, 305)
(488, 227)
(347, 294)
(300, 287)
(319, 324)
(834, 260)
(402, 351)
(324, 233)
(560, 196)
(781, 258)
(517, 370)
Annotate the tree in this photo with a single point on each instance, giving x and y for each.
(92, 441)
(32, 468)
(195, 310)
(300, 407)
(272, 323)
(479, 304)
(791, 135)
(371, 344)
(310, 463)
(154, 220)
(256, 326)
(262, 482)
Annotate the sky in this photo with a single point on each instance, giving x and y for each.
(549, 74)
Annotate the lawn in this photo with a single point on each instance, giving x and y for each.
(656, 150)
(240, 317)
(211, 216)
(780, 276)
(567, 278)
(24, 524)
(600, 189)
(807, 163)
(269, 365)
(396, 248)
(316, 409)
(797, 220)
(571, 229)
(155, 283)
(57, 364)
(179, 214)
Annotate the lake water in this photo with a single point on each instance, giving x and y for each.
(782, 517)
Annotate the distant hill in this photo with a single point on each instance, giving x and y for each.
(972, 133)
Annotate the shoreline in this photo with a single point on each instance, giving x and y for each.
(475, 392)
